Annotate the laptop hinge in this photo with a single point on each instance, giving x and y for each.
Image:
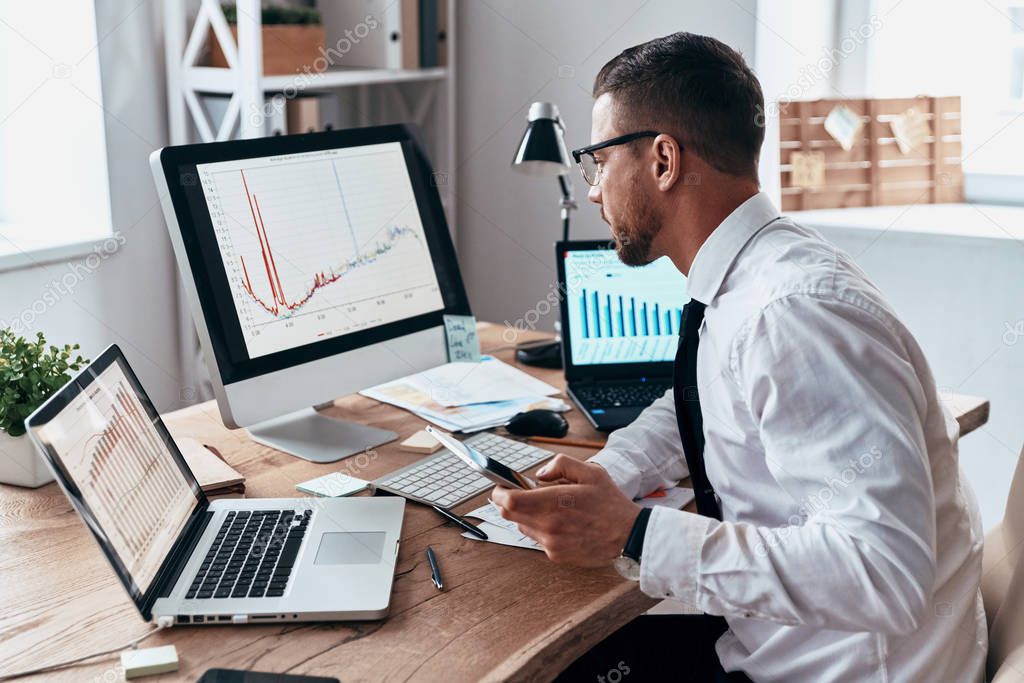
(183, 555)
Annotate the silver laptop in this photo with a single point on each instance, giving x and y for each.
(197, 561)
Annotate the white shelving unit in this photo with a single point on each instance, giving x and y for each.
(243, 81)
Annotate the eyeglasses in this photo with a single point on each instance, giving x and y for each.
(591, 168)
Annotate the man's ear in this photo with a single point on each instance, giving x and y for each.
(668, 162)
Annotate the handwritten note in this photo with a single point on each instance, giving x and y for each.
(460, 334)
(807, 169)
(911, 130)
(843, 125)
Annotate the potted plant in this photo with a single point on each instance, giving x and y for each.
(293, 39)
(30, 372)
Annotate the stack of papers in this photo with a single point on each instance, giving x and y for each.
(468, 397)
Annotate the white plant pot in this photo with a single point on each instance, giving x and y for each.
(20, 463)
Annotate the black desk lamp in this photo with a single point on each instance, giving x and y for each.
(542, 152)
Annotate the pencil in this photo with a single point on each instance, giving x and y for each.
(585, 443)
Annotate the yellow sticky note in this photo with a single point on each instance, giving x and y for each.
(807, 169)
(911, 130)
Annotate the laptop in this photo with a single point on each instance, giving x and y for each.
(620, 330)
(197, 561)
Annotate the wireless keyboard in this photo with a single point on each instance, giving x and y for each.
(442, 479)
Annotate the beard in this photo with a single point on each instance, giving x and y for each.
(636, 228)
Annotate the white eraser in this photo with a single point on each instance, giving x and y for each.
(148, 661)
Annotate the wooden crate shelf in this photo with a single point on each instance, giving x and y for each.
(874, 171)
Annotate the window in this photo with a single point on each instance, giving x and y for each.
(974, 48)
(54, 192)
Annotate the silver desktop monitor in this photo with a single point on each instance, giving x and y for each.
(315, 265)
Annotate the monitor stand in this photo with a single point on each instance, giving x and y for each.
(311, 436)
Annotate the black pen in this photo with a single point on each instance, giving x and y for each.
(435, 571)
(461, 521)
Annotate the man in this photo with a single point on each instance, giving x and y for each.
(836, 537)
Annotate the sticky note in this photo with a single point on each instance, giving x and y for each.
(460, 335)
(333, 485)
(911, 130)
(421, 442)
(843, 125)
(807, 169)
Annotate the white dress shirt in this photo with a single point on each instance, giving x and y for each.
(850, 546)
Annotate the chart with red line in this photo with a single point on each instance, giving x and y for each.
(124, 471)
(319, 244)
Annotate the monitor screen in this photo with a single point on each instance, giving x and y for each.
(121, 474)
(619, 313)
(319, 244)
(300, 248)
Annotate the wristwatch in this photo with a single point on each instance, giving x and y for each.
(628, 563)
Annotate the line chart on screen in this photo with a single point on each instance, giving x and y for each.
(319, 244)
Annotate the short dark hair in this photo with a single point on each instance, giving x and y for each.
(694, 88)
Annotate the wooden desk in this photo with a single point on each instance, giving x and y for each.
(506, 613)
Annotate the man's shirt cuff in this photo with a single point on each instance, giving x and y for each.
(622, 470)
(670, 562)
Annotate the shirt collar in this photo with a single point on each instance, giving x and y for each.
(715, 257)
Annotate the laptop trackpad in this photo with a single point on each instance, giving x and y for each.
(350, 547)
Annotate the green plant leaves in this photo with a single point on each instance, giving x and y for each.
(30, 372)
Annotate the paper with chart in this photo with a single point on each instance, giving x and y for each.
(468, 396)
(499, 530)
(319, 244)
(503, 532)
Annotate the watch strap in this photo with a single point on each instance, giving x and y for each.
(635, 543)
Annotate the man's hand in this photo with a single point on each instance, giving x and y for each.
(582, 519)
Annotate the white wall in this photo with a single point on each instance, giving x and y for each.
(512, 54)
(129, 297)
(962, 296)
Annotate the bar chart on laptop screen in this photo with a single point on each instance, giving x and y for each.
(319, 244)
(622, 314)
(124, 471)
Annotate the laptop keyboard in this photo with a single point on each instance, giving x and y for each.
(619, 395)
(252, 555)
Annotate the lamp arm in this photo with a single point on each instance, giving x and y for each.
(568, 204)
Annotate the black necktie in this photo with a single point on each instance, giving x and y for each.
(688, 415)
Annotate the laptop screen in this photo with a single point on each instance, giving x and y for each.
(621, 314)
(109, 451)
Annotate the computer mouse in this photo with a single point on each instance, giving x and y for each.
(538, 422)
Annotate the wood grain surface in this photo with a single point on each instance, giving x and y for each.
(506, 613)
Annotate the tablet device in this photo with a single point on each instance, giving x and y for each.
(480, 463)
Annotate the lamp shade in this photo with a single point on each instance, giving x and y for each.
(542, 148)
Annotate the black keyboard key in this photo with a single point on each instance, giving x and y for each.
(222, 592)
(204, 594)
(275, 592)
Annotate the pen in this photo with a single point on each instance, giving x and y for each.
(435, 571)
(461, 521)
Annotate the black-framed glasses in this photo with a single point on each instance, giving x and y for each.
(584, 156)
